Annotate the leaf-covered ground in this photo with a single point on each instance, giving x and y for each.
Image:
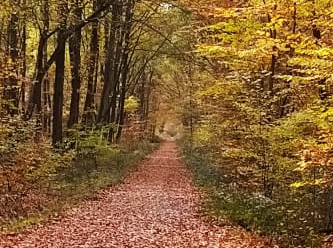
(157, 206)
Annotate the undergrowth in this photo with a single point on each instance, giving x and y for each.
(279, 219)
(45, 181)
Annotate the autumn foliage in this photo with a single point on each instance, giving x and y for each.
(247, 84)
(262, 116)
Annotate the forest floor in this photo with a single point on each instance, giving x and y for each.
(156, 206)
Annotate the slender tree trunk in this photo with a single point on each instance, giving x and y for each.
(110, 65)
(58, 98)
(24, 56)
(273, 67)
(92, 72)
(47, 106)
(121, 119)
(75, 58)
(24, 65)
(46, 95)
(284, 102)
(125, 68)
(66, 33)
(11, 91)
(147, 102)
(35, 96)
(141, 95)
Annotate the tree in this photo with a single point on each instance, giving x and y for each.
(11, 86)
(89, 112)
(267, 81)
(58, 98)
(75, 57)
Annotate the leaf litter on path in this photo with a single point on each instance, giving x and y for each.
(157, 206)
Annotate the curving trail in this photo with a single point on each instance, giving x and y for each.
(157, 206)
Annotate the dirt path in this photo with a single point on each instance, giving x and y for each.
(157, 206)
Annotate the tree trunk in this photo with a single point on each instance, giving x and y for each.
(11, 90)
(110, 83)
(58, 97)
(66, 33)
(125, 68)
(35, 96)
(75, 58)
(24, 65)
(46, 95)
(285, 100)
(89, 109)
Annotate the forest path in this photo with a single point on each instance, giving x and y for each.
(157, 206)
